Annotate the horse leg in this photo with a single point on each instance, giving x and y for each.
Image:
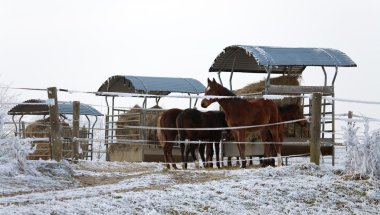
(266, 162)
(217, 151)
(166, 155)
(273, 153)
(267, 137)
(279, 157)
(192, 149)
(274, 130)
(209, 155)
(201, 150)
(170, 153)
(183, 148)
(241, 147)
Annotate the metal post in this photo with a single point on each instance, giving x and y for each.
(267, 81)
(106, 134)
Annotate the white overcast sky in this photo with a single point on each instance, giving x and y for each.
(79, 44)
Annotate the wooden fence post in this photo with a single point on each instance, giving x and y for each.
(55, 132)
(76, 117)
(350, 113)
(315, 128)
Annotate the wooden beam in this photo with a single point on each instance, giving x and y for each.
(315, 128)
(76, 118)
(55, 131)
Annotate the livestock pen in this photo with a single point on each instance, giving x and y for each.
(287, 63)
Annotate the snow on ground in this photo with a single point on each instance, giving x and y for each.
(48, 187)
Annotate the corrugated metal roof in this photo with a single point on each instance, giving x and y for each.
(151, 85)
(39, 107)
(253, 59)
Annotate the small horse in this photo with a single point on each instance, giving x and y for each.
(241, 112)
(192, 118)
(167, 119)
(286, 113)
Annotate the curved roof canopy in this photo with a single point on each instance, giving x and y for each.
(256, 59)
(151, 85)
(40, 107)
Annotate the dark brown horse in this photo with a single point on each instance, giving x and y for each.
(241, 112)
(286, 113)
(167, 119)
(192, 118)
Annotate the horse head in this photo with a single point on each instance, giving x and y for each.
(299, 115)
(211, 89)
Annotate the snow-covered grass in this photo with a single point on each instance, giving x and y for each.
(48, 187)
(97, 187)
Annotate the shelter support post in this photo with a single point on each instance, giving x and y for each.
(22, 130)
(220, 78)
(267, 81)
(55, 125)
(92, 138)
(232, 72)
(76, 117)
(107, 129)
(315, 128)
(14, 123)
(324, 72)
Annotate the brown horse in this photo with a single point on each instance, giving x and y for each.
(167, 119)
(286, 113)
(241, 112)
(193, 118)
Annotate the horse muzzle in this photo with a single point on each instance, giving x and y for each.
(205, 103)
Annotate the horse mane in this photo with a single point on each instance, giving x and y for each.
(285, 108)
(227, 91)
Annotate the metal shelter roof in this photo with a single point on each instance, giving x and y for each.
(40, 107)
(151, 85)
(255, 59)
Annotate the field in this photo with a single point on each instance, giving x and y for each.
(47, 187)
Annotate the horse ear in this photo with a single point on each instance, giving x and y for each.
(213, 80)
(208, 80)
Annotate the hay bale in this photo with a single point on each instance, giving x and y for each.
(131, 118)
(259, 87)
(135, 117)
(151, 121)
(41, 129)
(292, 130)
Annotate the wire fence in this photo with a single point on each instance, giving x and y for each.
(104, 141)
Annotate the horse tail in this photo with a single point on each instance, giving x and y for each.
(160, 134)
(179, 124)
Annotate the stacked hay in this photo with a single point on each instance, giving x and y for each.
(83, 133)
(41, 129)
(151, 121)
(135, 117)
(260, 86)
(291, 130)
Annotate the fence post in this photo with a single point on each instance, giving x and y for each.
(315, 128)
(76, 117)
(55, 133)
(350, 113)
